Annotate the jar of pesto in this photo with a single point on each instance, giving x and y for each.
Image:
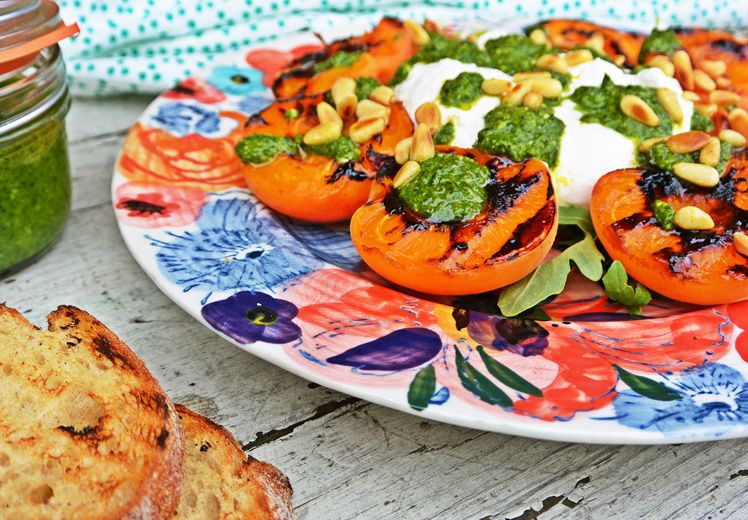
(35, 184)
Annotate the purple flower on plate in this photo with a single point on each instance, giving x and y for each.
(398, 350)
(519, 336)
(253, 316)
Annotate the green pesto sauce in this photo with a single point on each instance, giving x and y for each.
(446, 134)
(461, 92)
(261, 148)
(339, 59)
(661, 156)
(342, 149)
(700, 122)
(659, 42)
(448, 188)
(291, 113)
(664, 214)
(35, 183)
(519, 133)
(514, 53)
(602, 105)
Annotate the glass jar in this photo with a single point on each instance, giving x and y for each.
(35, 185)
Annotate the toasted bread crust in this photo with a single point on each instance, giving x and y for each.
(85, 429)
(222, 483)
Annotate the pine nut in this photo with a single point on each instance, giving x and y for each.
(408, 170)
(724, 97)
(533, 100)
(552, 62)
(707, 109)
(619, 59)
(560, 41)
(738, 119)
(495, 87)
(683, 69)
(710, 154)
(538, 37)
(402, 150)
(548, 87)
(346, 106)
(341, 88)
(691, 217)
(517, 93)
(669, 101)
(702, 81)
(364, 129)
(366, 109)
(741, 243)
(383, 95)
(322, 133)
(723, 82)
(596, 42)
(417, 33)
(327, 114)
(526, 76)
(430, 115)
(646, 145)
(635, 108)
(663, 63)
(714, 68)
(698, 174)
(736, 139)
(687, 142)
(422, 146)
(690, 95)
(578, 57)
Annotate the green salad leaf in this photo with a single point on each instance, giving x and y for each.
(617, 288)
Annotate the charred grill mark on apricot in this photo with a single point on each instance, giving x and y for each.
(350, 171)
(528, 232)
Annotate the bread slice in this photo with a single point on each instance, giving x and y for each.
(222, 483)
(86, 432)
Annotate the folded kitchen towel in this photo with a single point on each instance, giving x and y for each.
(149, 45)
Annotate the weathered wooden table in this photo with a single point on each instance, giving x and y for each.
(347, 458)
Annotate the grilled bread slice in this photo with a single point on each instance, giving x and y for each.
(221, 483)
(86, 432)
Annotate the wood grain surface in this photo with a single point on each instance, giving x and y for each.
(347, 458)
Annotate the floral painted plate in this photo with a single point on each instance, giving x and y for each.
(578, 368)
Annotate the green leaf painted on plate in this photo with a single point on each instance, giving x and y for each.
(508, 376)
(422, 388)
(647, 387)
(617, 287)
(479, 384)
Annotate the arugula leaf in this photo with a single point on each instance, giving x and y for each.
(617, 287)
(422, 388)
(550, 277)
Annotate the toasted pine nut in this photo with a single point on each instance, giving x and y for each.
(736, 139)
(364, 129)
(327, 114)
(663, 63)
(422, 146)
(707, 109)
(538, 37)
(495, 87)
(619, 59)
(635, 108)
(723, 82)
(552, 62)
(526, 76)
(578, 57)
(714, 68)
(402, 150)
(548, 87)
(346, 106)
(366, 109)
(322, 133)
(741, 243)
(724, 97)
(517, 93)
(596, 41)
(738, 119)
(429, 114)
(646, 145)
(408, 170)
(417, 33)
(560, 41)
(702, 81)
(709, 155)
(691, 217)
(698, 174)
(533, 99)
(687, 142)
(690, 95)
(341, 88)
(683, 69)
(669, 101)
(383, 95)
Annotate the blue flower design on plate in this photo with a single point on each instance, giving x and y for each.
(254, 103)
(248, 317)
(331, 243)
(236, 81)
(713, 395)
(235, 247)
(181, 119)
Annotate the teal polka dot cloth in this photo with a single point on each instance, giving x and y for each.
(149, 45)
